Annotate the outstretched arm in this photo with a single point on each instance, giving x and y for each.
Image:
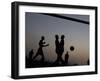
(45, 45)
(44, 42)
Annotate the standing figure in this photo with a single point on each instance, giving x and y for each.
(88, 62)
(57, 44)
(62, 44)
(40, 50)
(66, 58)
(59, 48)
(31, 53)
(29, 59)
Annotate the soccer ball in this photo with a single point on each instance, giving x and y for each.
(72, 48)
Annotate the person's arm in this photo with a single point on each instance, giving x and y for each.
(45, 45)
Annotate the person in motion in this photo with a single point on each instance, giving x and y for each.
(40, 50)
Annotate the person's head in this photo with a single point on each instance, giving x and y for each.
(42, 37)
(62, 37)
(56, 36)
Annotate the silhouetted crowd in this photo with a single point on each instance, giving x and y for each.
(59, 49)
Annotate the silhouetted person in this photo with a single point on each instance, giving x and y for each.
(57, 44)
(30, 60)
(40, 50)
(66, 58)
(31, 54)
(62, 44)
(59, 48)
(88, 62)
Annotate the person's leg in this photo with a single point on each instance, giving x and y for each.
(42, 55)
(35, 56)
(59, 57)
(57, 60)
(61, 60)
